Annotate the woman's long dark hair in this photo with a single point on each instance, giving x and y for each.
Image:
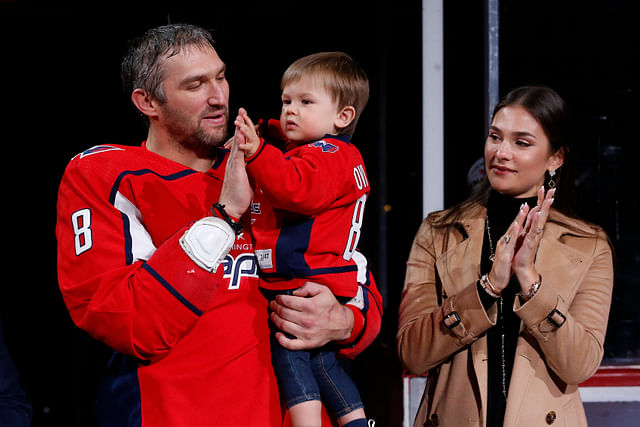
(551, 112)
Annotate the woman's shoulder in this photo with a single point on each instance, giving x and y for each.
(571, 229)
(573, 224)
(455, 214)
(456, 222)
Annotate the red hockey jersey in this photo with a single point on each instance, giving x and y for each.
(307, 214)
(199, 341)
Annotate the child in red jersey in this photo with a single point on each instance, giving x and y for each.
(307, 213)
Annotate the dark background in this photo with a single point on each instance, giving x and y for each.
(61, 94)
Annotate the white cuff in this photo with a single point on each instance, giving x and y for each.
(207, 242)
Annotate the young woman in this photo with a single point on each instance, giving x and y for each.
(507, 295)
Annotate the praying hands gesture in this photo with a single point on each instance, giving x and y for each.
(516, 250)
(236, 193)
(250, 141)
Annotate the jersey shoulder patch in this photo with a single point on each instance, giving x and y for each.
(99, 149)
(325, 146)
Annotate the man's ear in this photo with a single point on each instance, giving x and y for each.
(345, 117)
(144, 102)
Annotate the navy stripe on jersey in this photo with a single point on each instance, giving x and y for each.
(128, 242)
(173, 290)
(342, 137)
(221, 154)
(128, 238)
(126, 225)
(332, 270)
(308, 272)
(171, 177)
(291, 246)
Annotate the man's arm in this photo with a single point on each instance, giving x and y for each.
(118, 286)
(315, 317)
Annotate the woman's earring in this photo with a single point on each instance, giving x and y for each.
(551, 183)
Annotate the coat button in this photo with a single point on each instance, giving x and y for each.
(551, 417)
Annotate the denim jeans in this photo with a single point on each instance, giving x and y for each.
(305, 375)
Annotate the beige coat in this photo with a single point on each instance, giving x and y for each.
(577, 279)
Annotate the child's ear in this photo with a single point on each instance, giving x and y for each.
(345, 117)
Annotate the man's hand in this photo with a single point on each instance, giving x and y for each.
(250, 143)
(236, 193)
(313, 315)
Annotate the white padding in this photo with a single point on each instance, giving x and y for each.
(207, 242)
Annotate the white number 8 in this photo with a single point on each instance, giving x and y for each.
(81, 221)
(356, 224)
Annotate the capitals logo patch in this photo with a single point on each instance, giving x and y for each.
(99, 149)
(324, 146)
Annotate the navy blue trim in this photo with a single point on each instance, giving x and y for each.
(263, 143)
(367, 298)
(291, 247)
(128, 241)
(343, 138)
(308, 272)
(171, 177)
(332, 270)
(221, 154)
(171, 289)
(125, 221)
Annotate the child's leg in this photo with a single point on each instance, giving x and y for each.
(306, 414)
(355, 418)
(338, 391)
(297, 384)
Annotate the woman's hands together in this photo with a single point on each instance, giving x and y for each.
(516, 250)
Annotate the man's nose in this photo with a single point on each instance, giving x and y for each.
(217, 94)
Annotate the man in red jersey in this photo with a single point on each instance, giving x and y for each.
(145, 267)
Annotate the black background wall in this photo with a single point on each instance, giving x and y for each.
(61, 94)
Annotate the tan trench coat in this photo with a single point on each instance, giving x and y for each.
(577, 279)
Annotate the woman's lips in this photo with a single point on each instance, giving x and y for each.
(501, 169)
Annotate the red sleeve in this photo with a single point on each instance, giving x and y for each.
(307, 182)
(139, 307)
(367, 321)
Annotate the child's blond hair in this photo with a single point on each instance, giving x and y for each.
(344, 79)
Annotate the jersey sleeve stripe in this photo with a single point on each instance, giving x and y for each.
(128, 253)
(172, 290)
(138, 243)
(307, 272)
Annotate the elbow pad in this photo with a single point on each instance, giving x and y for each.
(207, 242)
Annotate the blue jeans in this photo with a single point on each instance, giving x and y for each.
(305, 375)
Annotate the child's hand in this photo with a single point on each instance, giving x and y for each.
(246, 128)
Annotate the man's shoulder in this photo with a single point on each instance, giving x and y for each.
(109, 152)
(105, 162)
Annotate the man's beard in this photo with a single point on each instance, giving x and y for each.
(204, 143)
(196, 139)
